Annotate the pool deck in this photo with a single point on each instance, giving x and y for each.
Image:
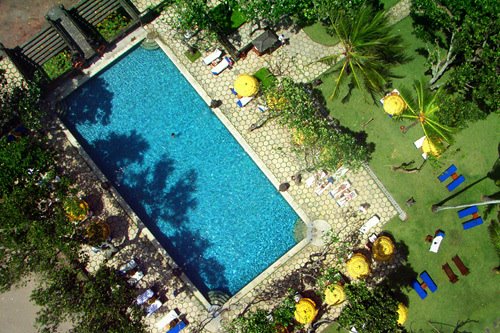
(269, 146)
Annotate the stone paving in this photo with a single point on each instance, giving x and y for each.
(270, 144)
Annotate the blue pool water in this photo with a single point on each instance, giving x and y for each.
(199, 193)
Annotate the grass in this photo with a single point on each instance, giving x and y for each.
(318, 31)
(237, 19)
(265, 77)
(474, 152)
(192, 56)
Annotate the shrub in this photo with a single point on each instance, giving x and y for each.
(58, 65)
(113, 24)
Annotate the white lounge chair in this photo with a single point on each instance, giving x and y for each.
(167, 319)
(142, 298)
(324, 186)
(372, 221)
(243, 101)
(138, 275)
(418, 144)
(212, 57)
(337, 192)
(127, 267)
(153, 307)
(221, 66)
(346, 197)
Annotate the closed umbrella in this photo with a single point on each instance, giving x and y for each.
(402, 313)
(246, 85)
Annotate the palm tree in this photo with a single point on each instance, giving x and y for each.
(424, 110)
(369, 49)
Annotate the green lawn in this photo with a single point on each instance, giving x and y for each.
(317, 31)
(473, 297)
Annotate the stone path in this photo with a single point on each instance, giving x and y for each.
(269, 144)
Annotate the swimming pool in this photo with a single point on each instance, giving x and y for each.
(181, 171)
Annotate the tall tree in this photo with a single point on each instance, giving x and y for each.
(369, 50)
(468, 32)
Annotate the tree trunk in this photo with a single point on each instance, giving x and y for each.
(440, 66)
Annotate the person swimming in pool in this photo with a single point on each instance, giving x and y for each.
(172, 135)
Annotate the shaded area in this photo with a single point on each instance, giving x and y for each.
(98, 103)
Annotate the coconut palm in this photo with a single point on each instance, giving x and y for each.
(424, 110)
(369, 50)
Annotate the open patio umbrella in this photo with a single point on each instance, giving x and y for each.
(358, 266)
(246, 85)
(334, 295)
(394, 104)
(383, 249)
(305, 311)
(402, 313)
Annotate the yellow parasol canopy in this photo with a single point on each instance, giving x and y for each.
(358, 266)
(394, 104)
(402, 313)
(78, 212)
(305, 311)
(246, 85)
(334, 295)
(429, 147)
(383, 249)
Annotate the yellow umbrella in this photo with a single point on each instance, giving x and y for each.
(429, 147)
(358, 266)
(334, 295)
(246, 85)
(394, 104)
(305, 311)
(402, 313)
(76, 211)
(383, 249)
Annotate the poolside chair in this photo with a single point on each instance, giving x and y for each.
(225, 63)
(130, 265)
(177, 328)
(244, 101)
(337, 192)
(152, 308)
(262, 108)
(346, 197)
(212, 57)
(144, 297)
(135, 278)
(372, 222)
(167, 319)
(324, 186)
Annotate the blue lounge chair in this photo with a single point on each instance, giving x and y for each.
(454, 184)
(447, 173)
(177, 328)
(418, 288)
(428, 281)
(467, 211)
(472, 223)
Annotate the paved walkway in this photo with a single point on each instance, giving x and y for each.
(269, 144)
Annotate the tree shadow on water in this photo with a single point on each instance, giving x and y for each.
(159, 200)
(91, 103)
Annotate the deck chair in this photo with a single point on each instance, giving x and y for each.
(243, 101)
(153, 307)
(142, 298)
(177, 328)
(225, 63)
(167, 319)
(212, 57)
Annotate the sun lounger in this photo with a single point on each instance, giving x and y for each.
(428, 281)
(337, 192)
(221, 66)
(324, 186)
(340, 172)
(153, 307)
(167, 319)
(319, 176)
(138, 275)
(262, 108)
(461, 267)
(418, 288)
(449, 272)
(372, 222)
(142, 298)
(177, 328)
(472, 223)
(467, 211)
(243, 101)
(346, 197)
(127, 267)
(212, 57)
(447, 173)
(418, 144)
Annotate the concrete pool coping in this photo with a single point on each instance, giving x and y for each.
(122, 48)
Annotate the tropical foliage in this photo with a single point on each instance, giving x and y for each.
(369, 310)
(58, 65)
(113, 24)
(425, 110)
(369, 51)
(323, 142)
(464, 36)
